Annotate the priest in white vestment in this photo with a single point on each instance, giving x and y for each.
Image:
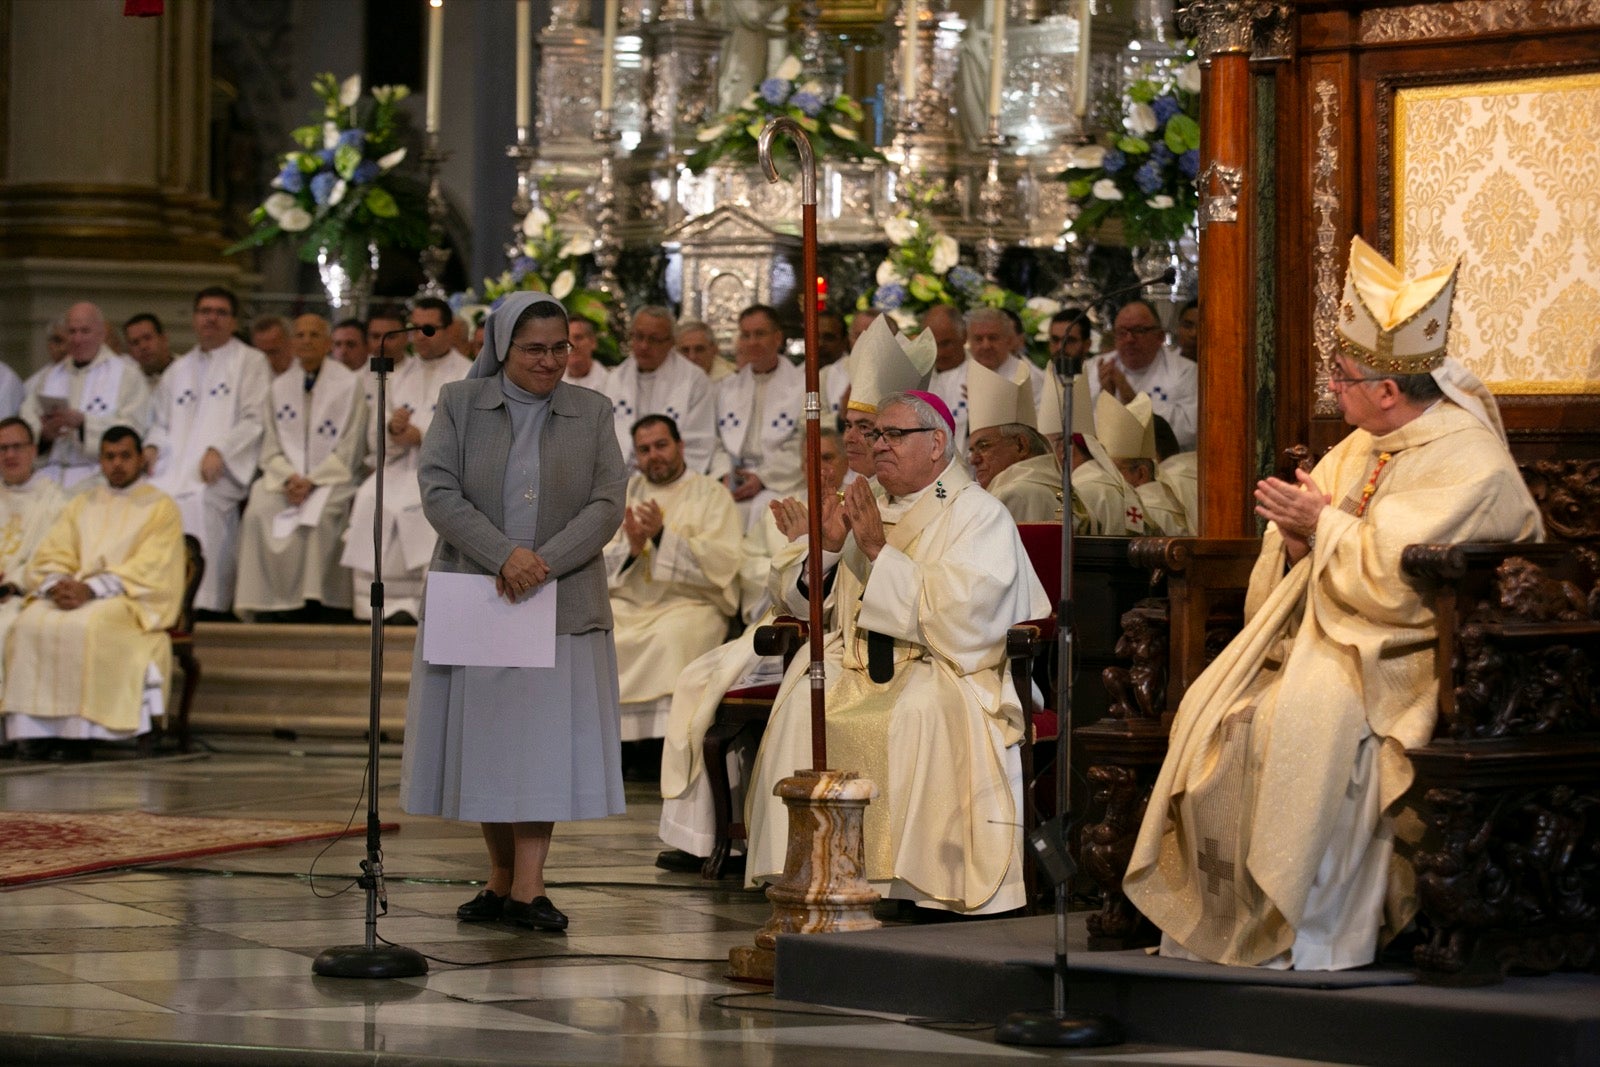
(697, 342)
(949, 381)
(655, 380)
(881, 363)
(89, 657)
(760, 417)
(922, 588)
(316, 437)
(1143, 363)
(410, 397)
(29, 505)
(1180, 473)
(1128, 433)
(71, 403)
(994, 341)
(582, 368)
(207, 420)
(1010, 459)
(1277, 834)
(1103, 503)
(672, 569)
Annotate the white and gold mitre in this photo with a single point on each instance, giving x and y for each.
(994, 400)
(1391, 324)
(882, 363)
(1128, 431)
(1050, 405)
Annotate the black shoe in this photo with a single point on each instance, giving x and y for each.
(679, 861)
(486, 907)
(539, 914)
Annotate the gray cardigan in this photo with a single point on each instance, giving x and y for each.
(582, 482)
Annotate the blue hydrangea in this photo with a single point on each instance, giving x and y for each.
(1189, 163)
(1113, 161)
(366, 171)
(810, 103)
(964, 279)
(776, 90)
(1148, 178)
(889, 297)
(322, 186)
(1165, 107)
(1161, 153)
(326, 155)
(354, 139)
(290, 179)
(521, 267)
(457, 301)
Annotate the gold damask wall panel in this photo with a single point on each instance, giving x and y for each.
(1506, 175)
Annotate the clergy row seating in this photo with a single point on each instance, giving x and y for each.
(1509, 786)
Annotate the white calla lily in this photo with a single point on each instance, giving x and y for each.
(1141, 120)
(1087, 157)
(1160, 203)
(330, 135)
(710, 133)
(563, 284)
(1189, 77)
(889, 274)
(1106, 189)
(350, 91)
(294, 220)
(946, 253)
(899, 229)
(841, 131)
(391, 160)
(904, 319)
(1043, 305)
(577, 246)
(789, 69)
(277, 204)
(336, 194)
(535, 221)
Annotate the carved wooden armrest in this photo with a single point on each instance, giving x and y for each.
(784, 636)
(1447, 563)
(1027, 639)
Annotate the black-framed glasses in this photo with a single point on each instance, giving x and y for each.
(893, 434)
(559, 350)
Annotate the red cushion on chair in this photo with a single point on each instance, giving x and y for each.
(1042, 540)
(1045, 725)
(754, 692)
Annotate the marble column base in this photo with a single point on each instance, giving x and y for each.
(824, 885)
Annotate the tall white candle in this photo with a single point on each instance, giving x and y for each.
(435, 62)
(524, 63)
(908, 58)
(1085, 7)
(608, 56)
(997, 56)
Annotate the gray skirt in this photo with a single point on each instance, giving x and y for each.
(513, 744)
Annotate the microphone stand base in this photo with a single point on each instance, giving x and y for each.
(369, 961)
(1046, 1029)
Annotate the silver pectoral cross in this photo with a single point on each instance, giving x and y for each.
(530, 494)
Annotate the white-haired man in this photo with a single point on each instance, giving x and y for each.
(923, 586)
(655, 380)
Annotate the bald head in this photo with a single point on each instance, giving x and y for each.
(949, 336)
(86, 332)
(312, 341)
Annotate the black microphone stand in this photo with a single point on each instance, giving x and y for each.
(372, 960)
(1059, 1028)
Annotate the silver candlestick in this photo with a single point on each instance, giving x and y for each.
(990, 198)
(603, 208)
(435, 256)
(522, 153)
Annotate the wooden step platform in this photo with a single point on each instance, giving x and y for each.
(298, 680)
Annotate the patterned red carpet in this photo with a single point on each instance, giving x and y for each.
(35, 845)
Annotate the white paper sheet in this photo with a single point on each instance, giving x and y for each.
(466, 623)
(307, 513)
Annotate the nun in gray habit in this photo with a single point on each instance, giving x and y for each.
(522, 479)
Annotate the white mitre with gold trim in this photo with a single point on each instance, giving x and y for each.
(883, 362)
(1127, 430)
(1392, 324)
(1050, 405)
(994, 400)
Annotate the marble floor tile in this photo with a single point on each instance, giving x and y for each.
(188, 963)
(82, 915)
(446, 1014)
(254, 993)
(561, 983)
(321, 933)
(76, 995)
(896, 1037)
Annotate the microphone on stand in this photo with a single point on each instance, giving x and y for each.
(383, 341)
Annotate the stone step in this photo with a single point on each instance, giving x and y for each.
(292, 679)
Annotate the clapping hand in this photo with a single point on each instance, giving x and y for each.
(1294, 508)
(861, 514)
(640, 523)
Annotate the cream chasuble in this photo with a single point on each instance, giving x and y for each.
(27, 511)
(1275, 812)
(91, 662)
(672, 603)
(1103, 503)
(288, 556)
(677, 389)
(110, 390)
(408, 540)
(951, 580)
(208, 400)
(1030, 489)
(1181, 474)
(1163, 512)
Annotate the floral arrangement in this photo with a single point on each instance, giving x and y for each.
(829, 122)
(923, 270)
(1145, 176)
(339, 190)
(550, 264)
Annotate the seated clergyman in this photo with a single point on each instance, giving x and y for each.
(89, 656)
(922, 587)
(1278, 834)
(29, 505)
